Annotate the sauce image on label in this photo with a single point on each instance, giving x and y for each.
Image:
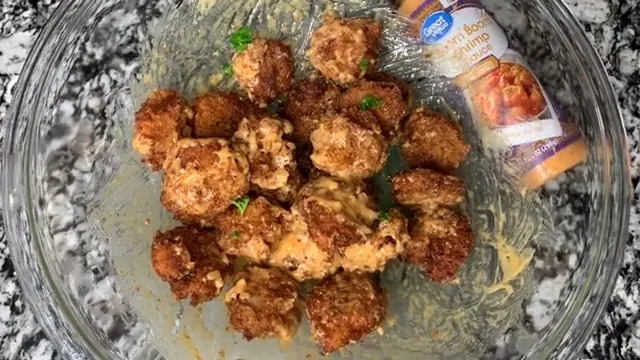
(508, 103)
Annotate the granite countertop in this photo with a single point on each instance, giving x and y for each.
(613, 26)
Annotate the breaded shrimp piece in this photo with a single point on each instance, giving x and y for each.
(344, 309)
(170, 257)
(345, 50)
(386, 78)
(218, 114)
(441, 242)
(300, 255)
(347, 150)
(264, 303)
(307, 104)
(286, 194)
(434, 142)
(365, 118)
(203, 178)
(160, 123)
(271, 158)
(337, 213)
(264, 69)
(428, 189)
(386, 244)
(189, 259)
(254, 233)
(204, 284)
(392, 108)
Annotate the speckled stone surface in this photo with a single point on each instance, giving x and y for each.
(613, 27)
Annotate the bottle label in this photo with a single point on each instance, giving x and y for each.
(530, 156)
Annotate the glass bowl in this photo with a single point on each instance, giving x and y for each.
(80, 208)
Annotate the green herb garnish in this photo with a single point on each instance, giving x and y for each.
(364, 66)
(241, 39)
(227, 70)
(370, 102)
(242, 204)
(384, 215)
(236, 234)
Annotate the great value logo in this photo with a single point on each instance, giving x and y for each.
(436, 27)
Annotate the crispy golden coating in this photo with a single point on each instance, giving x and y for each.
(434, 142)
(365, 118)
(218, 114)
(428, 189)
(265, 69)
(441, 242)
(307, 104)
(300, 256)
(203, 177)
(204, 284)
(344, 309)
(386, 78)
(345, 50)
(393, 108)
(386, 244)
(286, 194)
(159, 124)
(255, 233)
(189, 259)
(170, 256)
(272, 159)
(338, 214)
(264, 303)
(347, 150)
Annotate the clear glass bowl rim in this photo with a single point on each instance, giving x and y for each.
(61, 323)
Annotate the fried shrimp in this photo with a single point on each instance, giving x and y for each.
(218, 114)
(190, 261)
(264, 303)
(390, 108)
(441, 242)
(345, 50)
(272, 158)
(434, 142)
(344, 309)
(427, 189)
(347, 150)
(264, 69)
(252, 233)
(160, 123)
(203, 177)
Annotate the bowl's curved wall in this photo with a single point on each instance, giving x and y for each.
(66, 140)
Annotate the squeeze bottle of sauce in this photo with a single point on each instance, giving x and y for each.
(508, 103)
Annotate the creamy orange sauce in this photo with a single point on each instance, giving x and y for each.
(268, 139)
(564, 160)
(190, 346)
(513, 263)
(358, 206)
(369, 256)
(216, 277)
(376, 253)
(301, 256)
(407, 7)
(254, 248)
(238, 291)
